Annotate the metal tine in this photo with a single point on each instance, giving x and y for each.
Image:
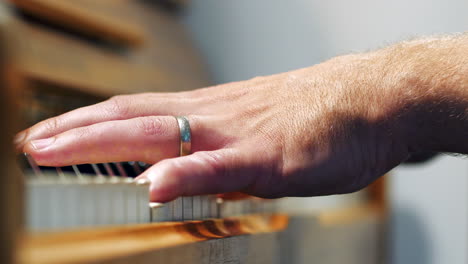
(109, 169)
(97, 170)
(34, 166)
(143, 165)
(135, 167)
(60, 173)
(77, 172)
(219, 203)
(156, 213)
(120, 169)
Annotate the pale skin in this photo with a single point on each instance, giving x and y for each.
(331, 128)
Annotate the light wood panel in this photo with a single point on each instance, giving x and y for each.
(108, 244)
(351, 235)
(101, 19)
(167, 46)
(64, 61)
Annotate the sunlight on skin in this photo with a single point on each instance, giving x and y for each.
(328, 129)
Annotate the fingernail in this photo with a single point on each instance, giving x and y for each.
(19, 138)
(141, 176)
(40, 144)
(143, 181)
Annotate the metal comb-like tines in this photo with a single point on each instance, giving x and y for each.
(208, 206)
(75, 199)
(107, 194)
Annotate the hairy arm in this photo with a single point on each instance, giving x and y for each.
(434, 92)
(331, 128)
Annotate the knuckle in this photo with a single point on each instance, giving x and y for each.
(53, 124)
(118, 105)
(175, 169)
(151, 126)
(214, 161)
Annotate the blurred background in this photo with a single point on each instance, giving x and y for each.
(242, 39)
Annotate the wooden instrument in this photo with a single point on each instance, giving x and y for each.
(60, 55)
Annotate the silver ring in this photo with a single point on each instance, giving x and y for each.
(185, 145)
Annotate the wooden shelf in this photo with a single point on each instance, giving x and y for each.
(104, 244)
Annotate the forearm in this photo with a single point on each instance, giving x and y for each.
(430, 82)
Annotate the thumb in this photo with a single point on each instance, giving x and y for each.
(204, 172)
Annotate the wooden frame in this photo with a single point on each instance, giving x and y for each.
(107, 244)
(11, 182)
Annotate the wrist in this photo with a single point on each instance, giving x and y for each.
(386, 96)
(428, 94)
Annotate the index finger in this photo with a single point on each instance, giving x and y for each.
(116, 108)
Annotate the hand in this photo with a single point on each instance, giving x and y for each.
(322, 130)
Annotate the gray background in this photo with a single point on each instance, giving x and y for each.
(241, 39)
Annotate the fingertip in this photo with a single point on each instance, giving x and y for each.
(163, 187)
(28, 148)
(142, 181)
(161, 195)
(41, 152)
(19, 138)
(19, 148)
(41, 144)
(141, 176)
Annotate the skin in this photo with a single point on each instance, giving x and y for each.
(331, 128)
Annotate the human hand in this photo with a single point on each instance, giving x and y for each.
(321, 130)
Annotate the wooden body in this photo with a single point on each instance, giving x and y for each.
(11, 182)
(352, 235)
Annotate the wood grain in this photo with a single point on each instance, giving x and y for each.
(102, 19)
(351, 235)
(11, 194)
(106, 244)
(61, 60)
